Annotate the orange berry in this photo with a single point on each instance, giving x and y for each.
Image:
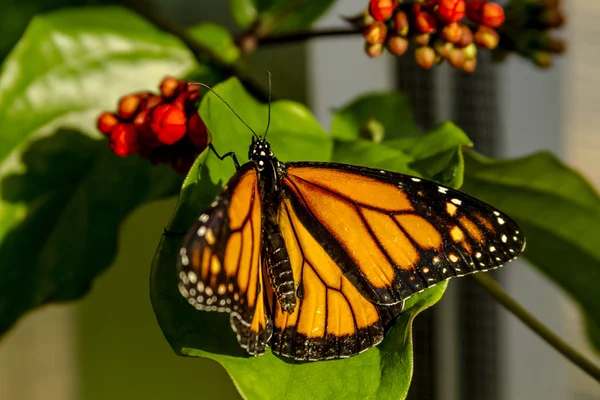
(397, 45)
(128, 105)
(492, 14)
(169, 86)
(375, 33)
(487, 37)
(452, 32)
(425, 57)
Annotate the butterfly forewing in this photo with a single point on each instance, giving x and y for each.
(220, 266)
(394, 235)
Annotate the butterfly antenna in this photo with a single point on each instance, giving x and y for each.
(268, 107)
(227, 104)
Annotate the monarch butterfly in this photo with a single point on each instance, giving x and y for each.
(315, 259)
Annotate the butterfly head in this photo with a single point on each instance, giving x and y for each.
(260, 152)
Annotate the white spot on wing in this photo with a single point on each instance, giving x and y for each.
(203, 218)
(192, 277)
(202, 231)
(500, 221)
(456, 201)
(504, 238)
(415, 179)
(442, 189)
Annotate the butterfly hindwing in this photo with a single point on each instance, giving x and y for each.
(220, 266)
(394, 235)
(332, 319)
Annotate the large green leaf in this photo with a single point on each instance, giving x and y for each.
(559, 213)
(64, 193)
(278, 15)
(382, 372)
(16, 14)
(390, 109)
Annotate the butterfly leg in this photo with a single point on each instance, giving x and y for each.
(230, 154)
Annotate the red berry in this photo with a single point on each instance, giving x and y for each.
(451, 10)
(425, 22)
(382, 10)
(124, 140)
(474, 10)
(147, 137)
(197, 131)
(492, 15)
(169, 123)
(400, 23)
(106, 122)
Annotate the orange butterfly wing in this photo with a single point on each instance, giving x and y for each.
(393, 235)
(220, 264)
(331, 319)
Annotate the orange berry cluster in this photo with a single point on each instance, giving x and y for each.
(165, 128)
(441, 29)
(527, 31)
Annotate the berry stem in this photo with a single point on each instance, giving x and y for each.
(204, 55)
(535, 325)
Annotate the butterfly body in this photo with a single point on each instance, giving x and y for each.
(315, 260)
(277, 260)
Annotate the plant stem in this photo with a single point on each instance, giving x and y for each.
(301, 36)
(535, 325)
(203, 54)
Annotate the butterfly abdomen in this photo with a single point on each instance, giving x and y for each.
(279, 267)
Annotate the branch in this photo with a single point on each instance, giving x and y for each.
(301, 36)
(202, 53)
(535, 325)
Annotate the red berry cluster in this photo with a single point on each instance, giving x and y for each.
(441, 29)
(164, 128)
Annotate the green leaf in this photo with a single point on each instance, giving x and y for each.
(559, 213)
(375, 155)
(390, 109)
(279, 15)
(244, 12)
(64, 193)
(382, 372)
(65, 205)
(16, 15)
(437, 154)
(218, 40)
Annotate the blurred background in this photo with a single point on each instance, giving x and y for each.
(110, 346)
